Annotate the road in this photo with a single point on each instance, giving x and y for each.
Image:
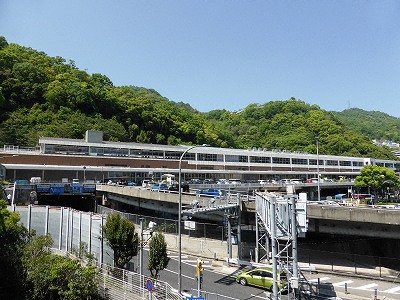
(218, 280)
(359, 287)
(214, 281)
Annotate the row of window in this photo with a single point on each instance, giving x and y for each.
(159, 154)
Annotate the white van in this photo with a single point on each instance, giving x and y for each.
(35, 180)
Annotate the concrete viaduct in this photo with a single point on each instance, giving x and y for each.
(329, 219)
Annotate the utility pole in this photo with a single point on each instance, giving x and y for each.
(141, 249)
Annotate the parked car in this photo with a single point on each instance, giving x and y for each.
(210, 192)
(163, 187)
(175, 187)
(262, 277)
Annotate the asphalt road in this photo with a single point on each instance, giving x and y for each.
(213, 281)
(221, 283)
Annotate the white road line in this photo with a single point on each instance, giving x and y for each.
(320, 279)
(177, 256)
(195, 261)
(392, 290)
(181, 274)
(367, 287)
(342, 283)
(257, 296)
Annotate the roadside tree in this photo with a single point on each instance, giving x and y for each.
(158, 257)
(121, 237)
(377, 179)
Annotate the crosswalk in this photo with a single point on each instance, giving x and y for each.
(351, 284)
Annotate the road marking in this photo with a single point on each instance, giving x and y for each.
(181, 274)
(177, 256)
(195, 261)
(342, 283)
(392, 290)
(320, 279)
(257, 296)
(367, 287)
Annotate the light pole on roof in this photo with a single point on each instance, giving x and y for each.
(180, 215)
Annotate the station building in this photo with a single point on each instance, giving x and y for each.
(92, 158)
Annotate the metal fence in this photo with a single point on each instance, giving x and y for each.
(68, 228)
(199, 230)
(120, 284)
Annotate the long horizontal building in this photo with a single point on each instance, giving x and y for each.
(93, 158)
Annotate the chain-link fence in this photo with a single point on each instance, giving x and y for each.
(194, 229)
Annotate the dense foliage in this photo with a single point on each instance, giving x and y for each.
(13, 238)
(47, 96)
(52, 276)
(294, 125)
(378, 179)
(375, 124)
(30, 271)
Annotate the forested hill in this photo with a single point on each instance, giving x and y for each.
(375, 124)
(47, 96)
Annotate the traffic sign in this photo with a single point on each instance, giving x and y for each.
(149, 285)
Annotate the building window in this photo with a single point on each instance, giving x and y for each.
(300, 161)
(209, 157)
(331, 162)
(175, 155)
(281, 160)
(313, 162)
(345, 163)
(260, 159)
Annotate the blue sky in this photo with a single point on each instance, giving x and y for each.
(225, 54)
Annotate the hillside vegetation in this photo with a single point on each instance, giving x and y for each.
(375, 124)
(47, 96)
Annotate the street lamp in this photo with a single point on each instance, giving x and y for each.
(319, 190)
(180, 216)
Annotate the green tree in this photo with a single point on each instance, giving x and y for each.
(376, 178)
(3, 42)
(52, 276)
(122, 238)
(158, 258)
(13, 238)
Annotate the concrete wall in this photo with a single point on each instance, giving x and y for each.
(354, 214)
(201, 247)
